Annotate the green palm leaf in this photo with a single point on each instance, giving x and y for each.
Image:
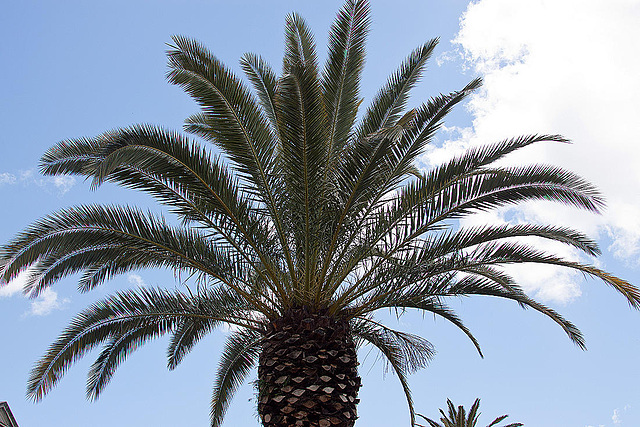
(124, 321)
(238, 357)
(265, 82)
(397, 352)
(341, 76)
(388, 104)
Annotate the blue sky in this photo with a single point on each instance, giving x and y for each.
(76, 68)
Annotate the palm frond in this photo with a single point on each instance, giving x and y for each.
(116, 350)
(422, 298)
(391, 100)
(299, 47)
(426, 204)
(186, 335)
(83, 237)
(416, 199)
(509, 253)
(426, 121)
(414, 351)
(394, 346)
(238, 357)
(124, 321)
(481, 286)
(465, 238)
(476, 157)
(233, 121)
(177, 172)
(477, 283)
(265, 82)
(341, 76)
(304, 148)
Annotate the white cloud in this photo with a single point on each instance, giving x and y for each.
(559, 67)
(47, 302)
(27, 175)
(7, 178)
(136, 279)
(564, 67)
(458, 141)
(63, 183)
(44, 304)
(15, 286)
(60, 184)
(616, 416)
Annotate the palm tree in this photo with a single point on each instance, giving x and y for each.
(460, 419)
(306, 225)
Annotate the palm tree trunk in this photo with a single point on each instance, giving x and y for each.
(307, 374)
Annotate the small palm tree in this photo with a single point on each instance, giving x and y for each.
(308, 224)
(460, 419)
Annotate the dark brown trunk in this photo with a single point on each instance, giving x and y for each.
(308, 373)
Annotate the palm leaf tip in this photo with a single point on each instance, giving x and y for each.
(629, 291)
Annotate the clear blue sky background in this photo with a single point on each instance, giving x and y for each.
(78, 68)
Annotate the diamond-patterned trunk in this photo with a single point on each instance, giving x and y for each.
(308, 373)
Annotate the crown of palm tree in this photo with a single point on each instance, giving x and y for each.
(459, 417)
(306, 208)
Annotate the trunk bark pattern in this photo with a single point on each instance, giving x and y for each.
(307, 374)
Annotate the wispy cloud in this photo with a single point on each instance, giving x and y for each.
(47, 302)
(55, 184)
(136, 279)
(7, 178)
(63, 183)
(617, 416)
